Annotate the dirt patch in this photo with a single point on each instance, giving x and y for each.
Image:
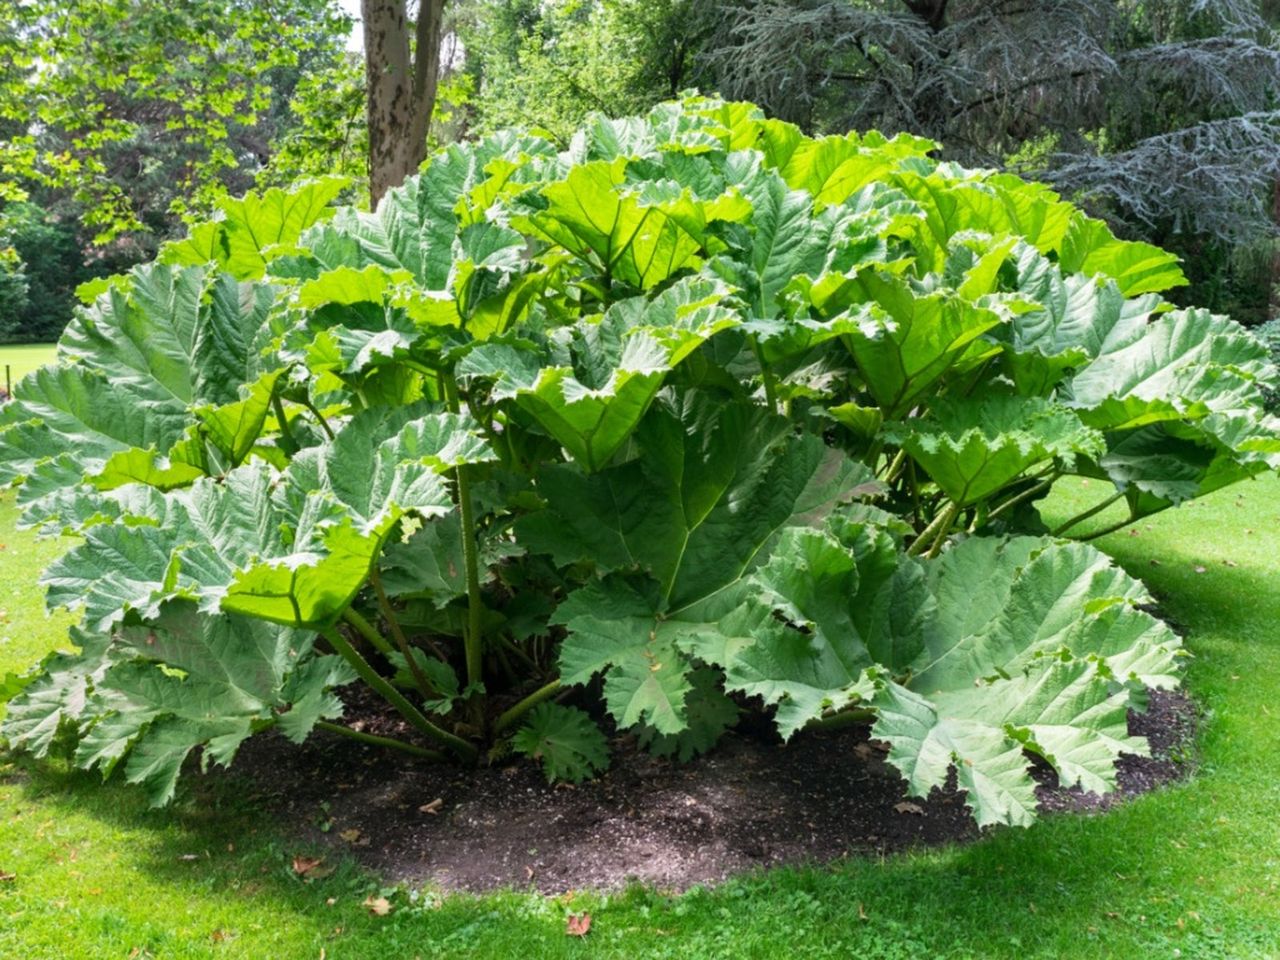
(750, 803)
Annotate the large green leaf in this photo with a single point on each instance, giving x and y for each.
(1089, 247)
(832, 169)
(973, 448)
(1186, 363)
(908, 340)
(640, 237)
(999, 646)
(155, 692)
(1043, 661)
(700, 508)
(292, 549)
(255, 229)
(817, 619)
(1076, 319)
(784, 239)
(140, 370)
(603, 373)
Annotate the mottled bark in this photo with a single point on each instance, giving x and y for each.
(401, 87)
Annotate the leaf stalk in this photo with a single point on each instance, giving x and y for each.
(465, 751)
(374, 740)
(509, 717)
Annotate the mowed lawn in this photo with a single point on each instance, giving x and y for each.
(22, 358)
(1192, 871)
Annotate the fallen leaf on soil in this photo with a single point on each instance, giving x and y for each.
(907, 807)
(434, 807)
(378, 906)
(351, 836)
(577, 926)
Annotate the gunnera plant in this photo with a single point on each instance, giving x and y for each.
(725, 416)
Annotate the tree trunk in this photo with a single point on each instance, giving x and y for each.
(401, 88)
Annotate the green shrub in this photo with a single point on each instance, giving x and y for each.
(729, 417)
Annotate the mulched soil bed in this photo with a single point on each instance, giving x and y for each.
(749, 803)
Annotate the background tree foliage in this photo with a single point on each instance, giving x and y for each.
(120, 118)
(143, 109)
(552, 63)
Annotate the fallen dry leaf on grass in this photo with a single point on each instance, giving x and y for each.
(7, 877)
(311, 868)
(378, 906)
(577, 925)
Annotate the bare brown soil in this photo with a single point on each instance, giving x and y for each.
(750, 803)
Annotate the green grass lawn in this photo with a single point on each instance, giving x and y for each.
(1191, 871)
(22, 358)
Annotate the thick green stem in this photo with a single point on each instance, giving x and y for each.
(1025, 495)
(894, 466)
(770, 392)
(287, 442)
(1110, 528)
(374, 740)
(457, 745)
(922, 542)
(949, 518)
(324, 424)
(472, 638)
(509, 717)
(366, 630)
(471, 562)
(419, 678)
(1091, 512)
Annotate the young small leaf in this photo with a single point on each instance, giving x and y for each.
(566, 741)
